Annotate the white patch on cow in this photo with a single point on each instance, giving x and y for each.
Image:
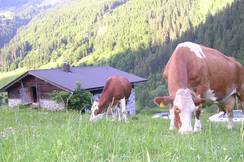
(123, 109)
(93, 117)
(194, 48)
(198, 125)
(172, 124)
(210, 97)
(183, 100)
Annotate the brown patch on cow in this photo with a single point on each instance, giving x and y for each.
(198, 112)
(177, 120)
(198, 101)
(95, 113)
(177, 110)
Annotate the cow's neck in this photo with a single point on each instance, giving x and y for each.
(104, 101)
(177, 76)
(174, 86)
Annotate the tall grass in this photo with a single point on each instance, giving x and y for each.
(32, 135)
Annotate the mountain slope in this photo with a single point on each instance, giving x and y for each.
(137, 36)
(75, 29)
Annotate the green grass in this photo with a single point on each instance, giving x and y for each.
(32, 135)
(7, 77)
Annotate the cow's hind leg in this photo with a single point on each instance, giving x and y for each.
(114, 113)
(119, 112)
(229, 111)
(123, 109)
(239, 104)
(198, 125)
(230, 120)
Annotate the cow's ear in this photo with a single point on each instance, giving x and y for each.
(163, 101)
(198, 101)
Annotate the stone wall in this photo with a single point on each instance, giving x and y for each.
(54, 106)
(14, 102)
(131, 104)
(44, 104)
(50, 105)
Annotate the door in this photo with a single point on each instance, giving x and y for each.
(26, 95)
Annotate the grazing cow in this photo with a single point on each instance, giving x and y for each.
(195, 75)
(117, 89)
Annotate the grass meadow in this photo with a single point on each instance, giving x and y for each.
(7, 77)
(37, 135)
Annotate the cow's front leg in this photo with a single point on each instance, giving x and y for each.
(198, 125)
(123, 109)
(114, 113)
(119, 113)
(172, 124)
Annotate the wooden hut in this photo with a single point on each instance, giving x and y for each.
(34, 86)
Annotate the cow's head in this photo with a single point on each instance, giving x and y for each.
(183, 104)
(95, 115)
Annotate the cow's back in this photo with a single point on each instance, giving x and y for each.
(117, 87)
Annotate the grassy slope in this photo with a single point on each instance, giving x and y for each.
(29, 135)
(6, 78)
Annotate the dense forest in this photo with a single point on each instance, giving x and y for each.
(137, 36)
(17, 13)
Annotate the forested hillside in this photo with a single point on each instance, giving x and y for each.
(137, 36)
(16, 13)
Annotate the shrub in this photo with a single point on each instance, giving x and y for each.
(211, 109)
(5, 100)
(76, 101)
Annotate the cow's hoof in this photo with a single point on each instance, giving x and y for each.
(172, 128)
(230, 126)
(197, 129)
(186, 132)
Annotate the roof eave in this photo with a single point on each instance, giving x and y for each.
(52, 83)
(39, 77)
(14, 81)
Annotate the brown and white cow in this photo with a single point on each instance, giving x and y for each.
(196, 74)
(117, 89)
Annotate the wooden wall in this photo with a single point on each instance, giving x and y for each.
(38, 89)
(44, 89)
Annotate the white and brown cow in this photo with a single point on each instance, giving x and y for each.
(116, 90)
(196, 74)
